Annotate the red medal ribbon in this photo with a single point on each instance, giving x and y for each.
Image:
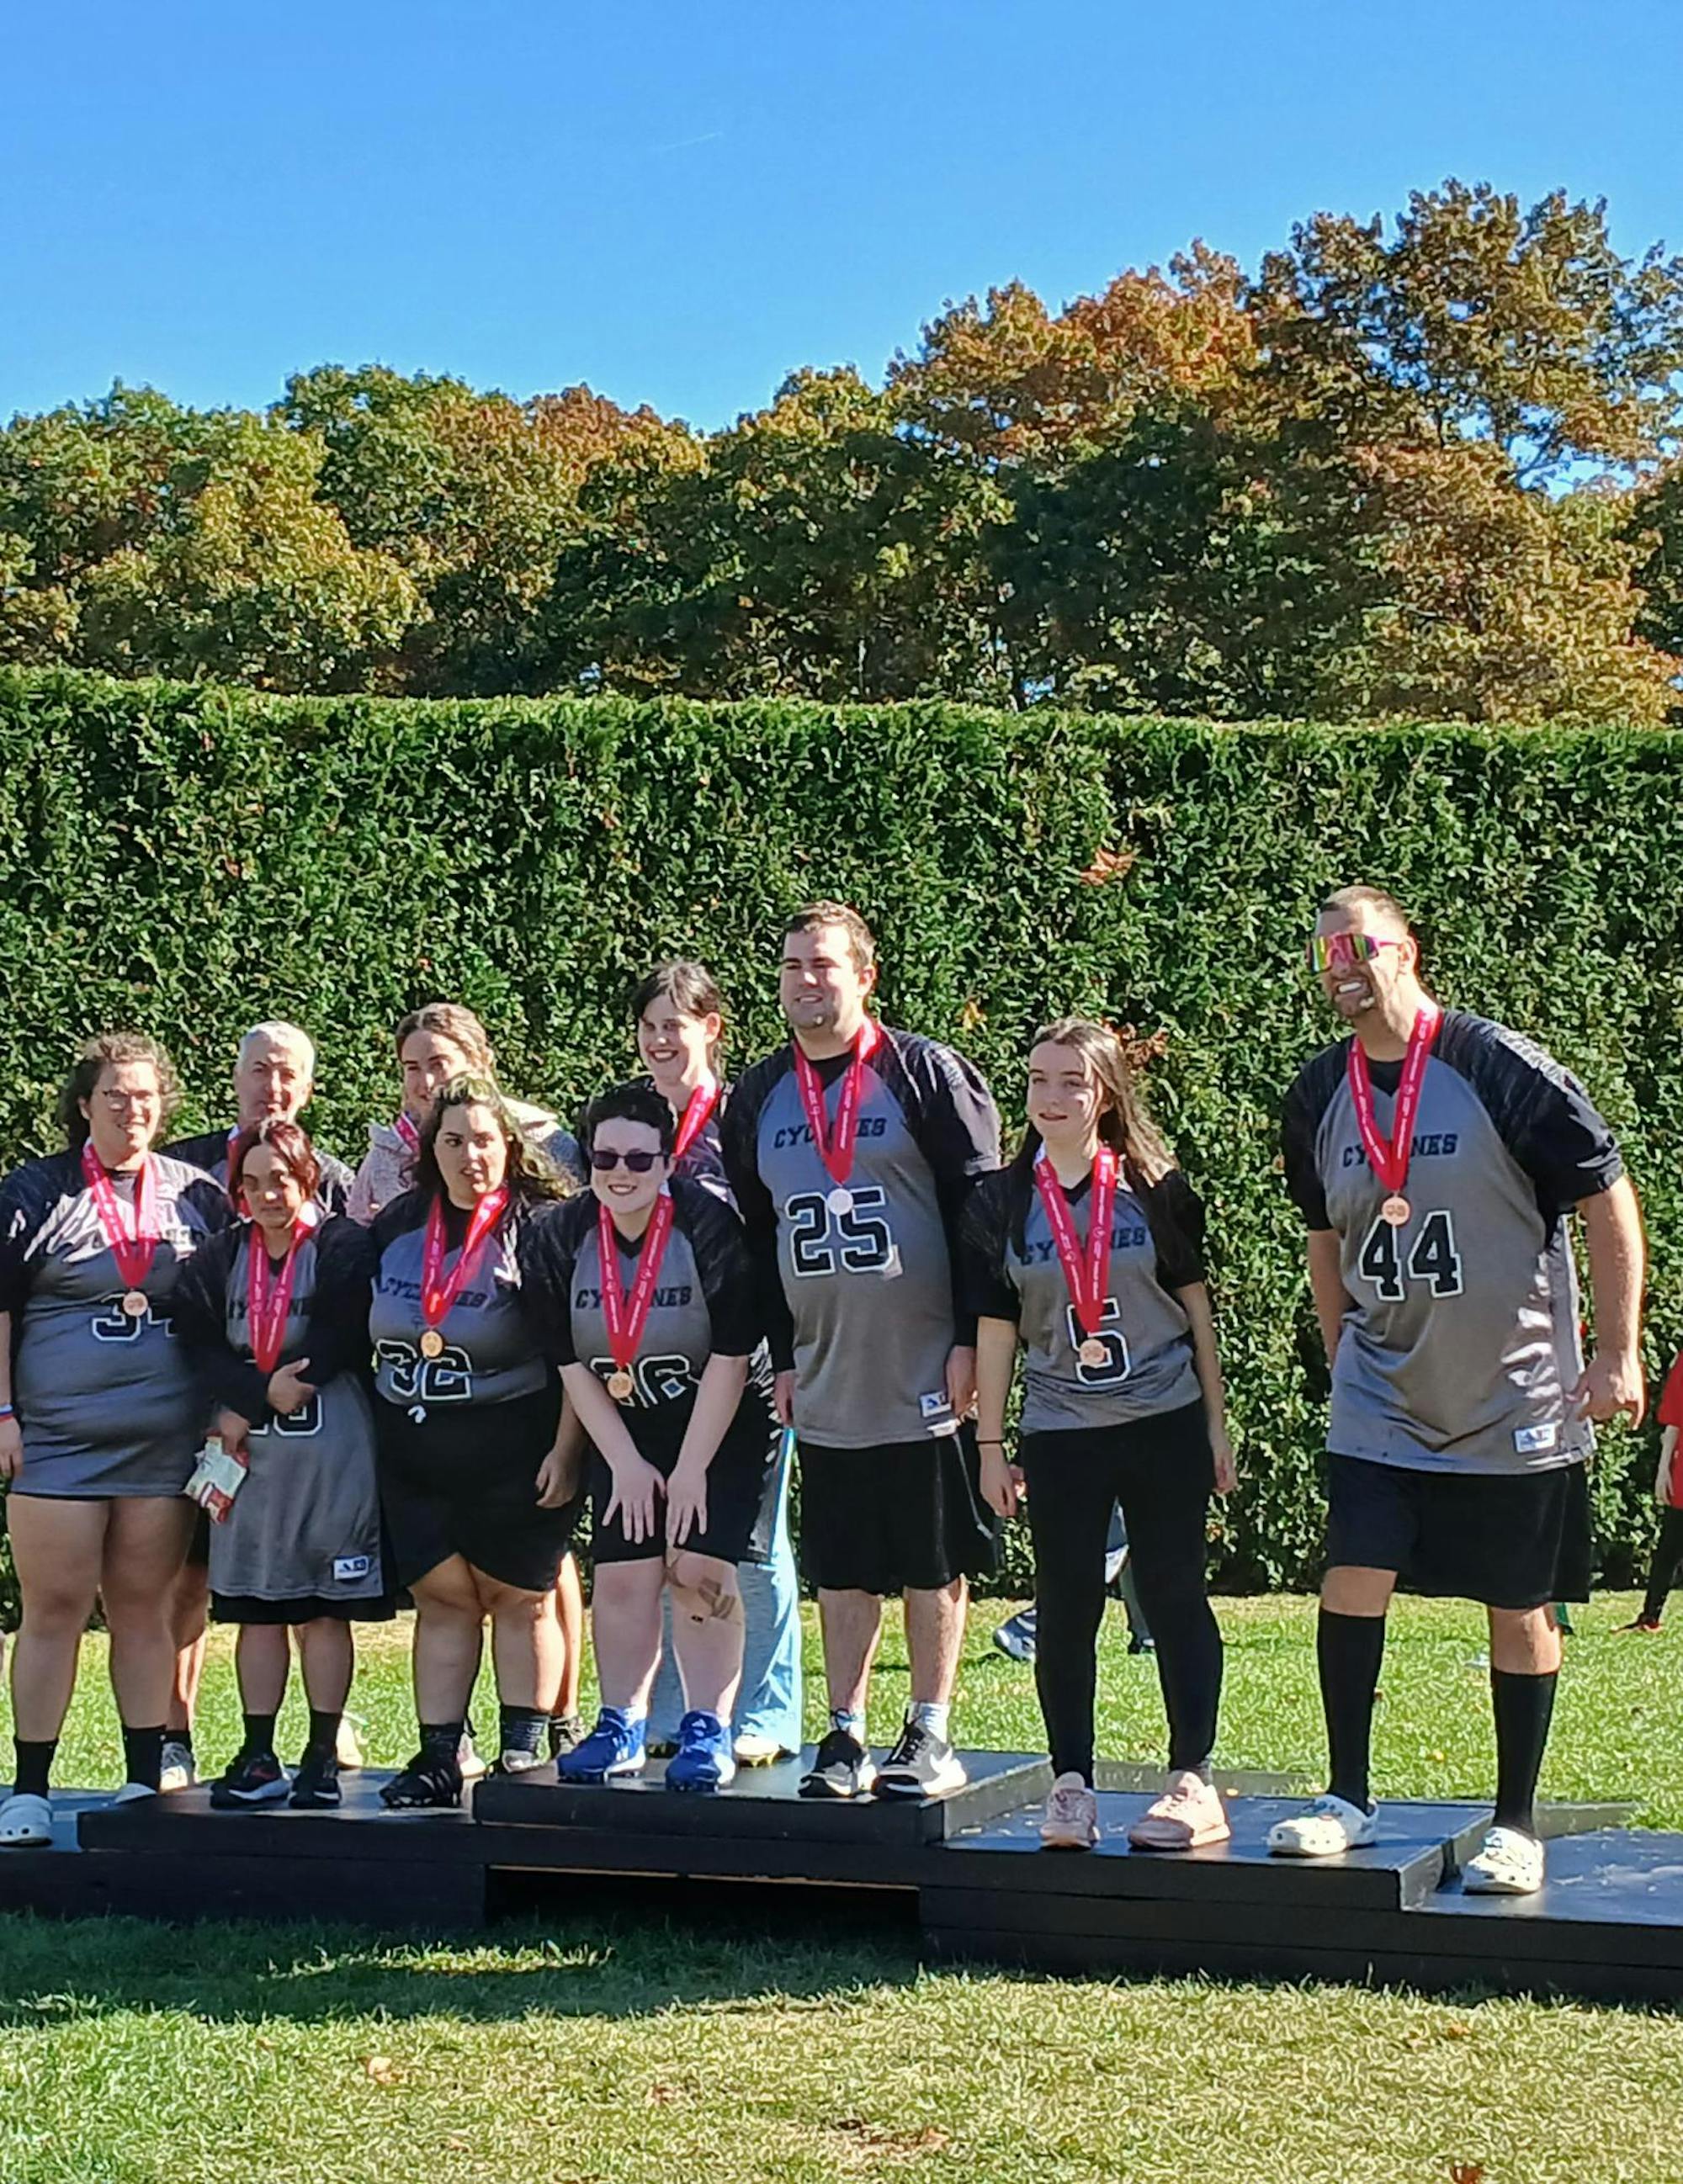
(269, 1297)
(627, 1318)
(439, 1290)
(133, 1253)
(1390, 1162)
(835, 1147)
(1088, 1279)
(407, 1131)
(697, 1112)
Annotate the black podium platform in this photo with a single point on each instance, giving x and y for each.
(967, 1868)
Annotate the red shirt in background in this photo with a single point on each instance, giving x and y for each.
(1670, 1413)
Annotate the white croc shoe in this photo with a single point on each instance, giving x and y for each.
(1507, 1862)
(1328, 1828)
(25, 1822)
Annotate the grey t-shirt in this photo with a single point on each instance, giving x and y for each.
(1460, 1345)
(862, 1303)
(106, 1404)
(490, 1353)
(1012, 1271)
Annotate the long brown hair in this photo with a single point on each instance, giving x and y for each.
(1142, 1152)
(531, 1174)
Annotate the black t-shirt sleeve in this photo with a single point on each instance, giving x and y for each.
(548, 1250)
(720, 1243)
(198, 1313)
(336, 1339)
(1541, 1112)
(24, 1207)
(957, 1125)
(739, 1145)
(986, 1291)
(1299, 1126)
(1175, 1214)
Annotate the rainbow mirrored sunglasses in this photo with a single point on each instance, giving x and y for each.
(1336, 952)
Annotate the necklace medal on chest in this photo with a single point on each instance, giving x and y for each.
(1086, 1274)
(627, 1316)
(132, 1249)
(439, 1290)
(1390, 1161)
(835, 1145)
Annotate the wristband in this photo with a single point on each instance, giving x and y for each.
(980, 1443)
(6, 1410)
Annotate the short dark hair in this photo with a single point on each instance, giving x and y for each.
(861, 942)
(688, 985)
(531, 1174)
(290, 1144)
(108, 1050)
(630, 1103)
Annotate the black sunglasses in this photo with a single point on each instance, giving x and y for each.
(605, 1161)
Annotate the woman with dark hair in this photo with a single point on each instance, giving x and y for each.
(679, 1013)
(647, 1302)
(274, 1314)
(466, 1410)
(99, 1415)
(1086, 1253)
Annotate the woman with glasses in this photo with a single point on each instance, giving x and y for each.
(1086, 1254)
(645, 1291)
(99, 1415)
(465, 1415)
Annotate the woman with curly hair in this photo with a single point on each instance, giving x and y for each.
(466, 1412)
(99, 1414)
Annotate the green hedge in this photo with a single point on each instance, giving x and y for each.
(189, 859)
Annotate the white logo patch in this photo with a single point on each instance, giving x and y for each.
(347, 1567)
(1532, 1440)
(932, 1406)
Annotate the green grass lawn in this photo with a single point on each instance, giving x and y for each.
(609, 2045)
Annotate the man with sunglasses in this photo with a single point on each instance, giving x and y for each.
(851, 1151)
(1436, 1157)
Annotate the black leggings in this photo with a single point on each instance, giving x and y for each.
(1667, 1561)
(1161, 1472)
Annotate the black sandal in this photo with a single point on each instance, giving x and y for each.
(432, 1779)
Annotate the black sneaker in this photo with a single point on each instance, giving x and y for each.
(566, 1732)
(433, 1778)
(255, 1778)
(315, 1787)
(921, 1765)
(841, 1768)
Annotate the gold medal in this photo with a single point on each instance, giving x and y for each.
(1093, 1351)
(620, 1385)
(431, 1344)
(1394, 1210)
(134, 1304)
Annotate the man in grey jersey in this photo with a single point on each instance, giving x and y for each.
(1436, 1157)
(851, 1151)
(274, 1081)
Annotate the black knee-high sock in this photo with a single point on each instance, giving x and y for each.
(324, 1728)
(35, 1765)
(1348, 1651)
(1524, 1706)
(143, 1755)
(1667, 1561)
(260, 1732)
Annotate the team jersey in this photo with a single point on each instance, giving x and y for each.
(706, 1303)
(106, 1403)
(491, 1354)
(862, 1303)
(306, 1521)
(703, 1159)
(1460, 1343)
(210, 1152)
(1012, 1271)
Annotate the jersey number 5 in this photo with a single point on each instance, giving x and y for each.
(1432, 1258)
(1117, 1365)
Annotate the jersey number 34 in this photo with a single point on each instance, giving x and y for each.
(1431, 1257)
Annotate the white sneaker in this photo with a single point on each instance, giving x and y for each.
(132, 1792)
(518, 1761)
(472, 1765)
(348, 1747)
(753, 1750)
(1071, 1820)
(1330, 1826)
(25, 1822)
(1508, 1862)
(177, 1771)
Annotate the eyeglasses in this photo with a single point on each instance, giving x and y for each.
(606, 1162)
(1336, 952)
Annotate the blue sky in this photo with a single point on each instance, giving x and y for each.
(679, 202)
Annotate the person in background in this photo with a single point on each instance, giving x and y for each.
(1667, 1561)
(100, 1417)
(1016, 1637)
(274, 1081)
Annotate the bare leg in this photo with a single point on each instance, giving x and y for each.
(449, 1636)
(707, 1630)
(262, 1658)
(58, 1548)
(934, 1638)
(852, 1622)
(569, 1615)
(525, 1644)
(1525, 1641)
(327, 1654)
(146, 1543)
(624, 1628)
(189, 1616)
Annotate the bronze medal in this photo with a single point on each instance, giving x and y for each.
(620, 1385)
(431, 1344)
(1093, 1351)
(1394, 1210)
(135, 1304)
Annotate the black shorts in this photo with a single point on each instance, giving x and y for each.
(465, 1482)
(245, 1607)
(1508, 1541)
(905, 1515)
(735, 1488)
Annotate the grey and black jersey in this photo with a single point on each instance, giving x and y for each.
(210, 1151)
(490, 1353)
(1012, 1271)
(305, 1524)
(106, 1404)
(1460, 1345)
(863, 1304)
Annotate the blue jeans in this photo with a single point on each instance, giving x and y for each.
(769, 1704)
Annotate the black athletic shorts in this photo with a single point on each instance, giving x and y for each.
(315, 1608)
(464, 1481)
(735, 1488)
(1518, 1540)
(906, 1515)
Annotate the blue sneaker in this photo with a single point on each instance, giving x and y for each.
(704, 1760)
(614, 1747)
